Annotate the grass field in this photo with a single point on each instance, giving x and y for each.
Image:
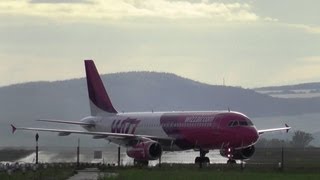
(183, 174)
(175, 171)
(299, 164)
(53, 173)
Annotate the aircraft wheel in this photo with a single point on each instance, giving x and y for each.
(206, 160)
(197, 160)
(231, 161)
(140, 162)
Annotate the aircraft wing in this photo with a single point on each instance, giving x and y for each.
(274, 129)
(96, 135)
(66, 122)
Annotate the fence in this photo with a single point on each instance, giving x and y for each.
(292, 157)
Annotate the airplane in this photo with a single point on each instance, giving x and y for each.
(147, 134)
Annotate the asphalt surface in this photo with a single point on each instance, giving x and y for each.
(86, 174)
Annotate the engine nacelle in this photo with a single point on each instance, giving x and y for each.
(145, 150)
(240, 154)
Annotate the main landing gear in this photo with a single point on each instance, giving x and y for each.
(140, 162)
(202, 159)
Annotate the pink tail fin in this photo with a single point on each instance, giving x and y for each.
(99, 99)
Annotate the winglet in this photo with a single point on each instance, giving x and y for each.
(13, 128)
(287, 127)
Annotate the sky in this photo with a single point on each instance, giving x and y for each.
(248, 43)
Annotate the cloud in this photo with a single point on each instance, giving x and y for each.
(268, 19)
(304, 69)
(311, 60)
(306, 73)
(127, 9)
(59, 1)
(202, 40)
(307, 28)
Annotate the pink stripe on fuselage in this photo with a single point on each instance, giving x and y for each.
(207, 130)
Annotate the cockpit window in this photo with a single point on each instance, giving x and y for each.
(235, 123)
(243, 123)
(249, 122)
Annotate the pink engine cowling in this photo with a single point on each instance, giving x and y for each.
(145, 150)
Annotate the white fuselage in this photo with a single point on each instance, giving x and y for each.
(152, 124)
(149, 123)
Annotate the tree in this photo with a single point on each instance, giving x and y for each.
(262, 143)
(271, 143)
(301, 139)
(276, 143)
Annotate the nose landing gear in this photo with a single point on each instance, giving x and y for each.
(231, 161)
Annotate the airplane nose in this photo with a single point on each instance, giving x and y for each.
(251, 136)
(254, 135)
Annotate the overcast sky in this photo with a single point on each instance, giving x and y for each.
(250, 43)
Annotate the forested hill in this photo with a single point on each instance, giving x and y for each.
(21, 104)
(141, 91)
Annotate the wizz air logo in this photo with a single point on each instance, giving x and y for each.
(126, 126)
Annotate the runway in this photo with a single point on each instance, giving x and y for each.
(86, 174)
(109, 157)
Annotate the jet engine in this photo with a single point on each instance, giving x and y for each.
(145, 150)
(239, 154)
